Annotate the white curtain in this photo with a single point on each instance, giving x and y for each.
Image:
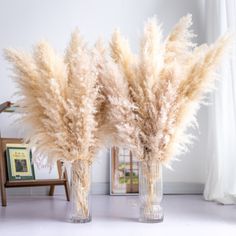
(221, 180)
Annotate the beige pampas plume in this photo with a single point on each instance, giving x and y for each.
(115, 92)
(178, 43)
(151, 52)
(122, 55)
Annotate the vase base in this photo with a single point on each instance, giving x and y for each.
(151, 215)
(146, 220)
(79, 220)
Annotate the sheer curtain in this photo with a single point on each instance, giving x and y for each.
(221, 180)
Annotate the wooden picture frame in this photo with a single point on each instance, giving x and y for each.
(124, 172)
(19, 162)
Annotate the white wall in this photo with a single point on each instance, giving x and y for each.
(24, 22)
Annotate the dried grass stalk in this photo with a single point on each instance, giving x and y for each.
(81, 181)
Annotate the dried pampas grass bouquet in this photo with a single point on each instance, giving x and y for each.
(144, 102)
(154, 97)
(60, 104)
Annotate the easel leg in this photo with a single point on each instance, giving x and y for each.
(2, 186)
(66, 185)
(67, 191)
(2, 176)
(65, 176)
(3, 195)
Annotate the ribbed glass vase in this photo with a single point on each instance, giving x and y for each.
(79, 211)
(150, 192)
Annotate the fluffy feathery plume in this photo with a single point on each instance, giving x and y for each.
(123, 56)
(178, 44)
(151, 54)
(115, 92)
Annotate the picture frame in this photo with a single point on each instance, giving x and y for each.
(124, 172)
(19, 162)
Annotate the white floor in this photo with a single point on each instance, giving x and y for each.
(116, 215)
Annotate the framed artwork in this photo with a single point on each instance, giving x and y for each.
(124, 172)
(19, 162)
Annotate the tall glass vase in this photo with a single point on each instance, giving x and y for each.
(150, 192)
(80, 192)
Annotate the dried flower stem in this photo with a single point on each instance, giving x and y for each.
(150, 189)
(80, 189)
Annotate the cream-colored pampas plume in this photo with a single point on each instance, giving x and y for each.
(59, 102)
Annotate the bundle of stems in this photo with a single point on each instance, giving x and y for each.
(59, 103)
(155, 96)
(80, 181)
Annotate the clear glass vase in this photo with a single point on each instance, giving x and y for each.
(79, 211)
(150, 192)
